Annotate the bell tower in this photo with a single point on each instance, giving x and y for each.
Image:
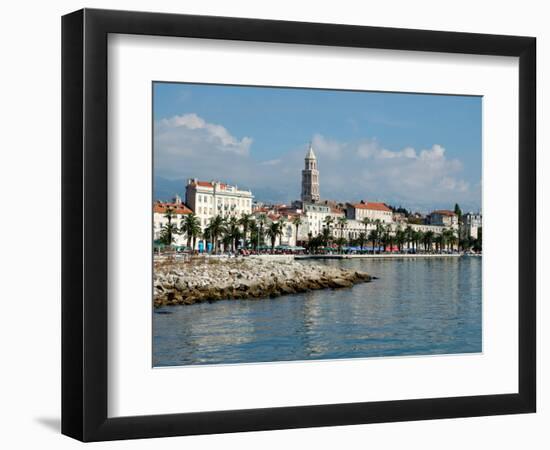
(310, 178)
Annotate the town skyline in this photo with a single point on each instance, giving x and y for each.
(193, 138)
(211, 207)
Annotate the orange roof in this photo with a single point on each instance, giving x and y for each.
(292, 214)
(444, 212)
(372, 205)
(209, 184)
(160, 207)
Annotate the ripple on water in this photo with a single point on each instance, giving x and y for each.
(415, 307)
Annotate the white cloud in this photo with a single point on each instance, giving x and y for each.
(436, 153)
(189, 146)
(452, 184)
(271, 162)
(368, 149)
(326, 147)
(185, 130)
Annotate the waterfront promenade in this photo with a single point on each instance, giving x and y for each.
(383, 256)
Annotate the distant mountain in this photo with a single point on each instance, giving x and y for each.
(270, 195)
(165, 189)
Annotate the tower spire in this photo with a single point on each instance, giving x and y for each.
(310, 177)
(310, 153)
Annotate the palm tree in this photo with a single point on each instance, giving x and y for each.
(215, 229)
(262, 218)
(169, 214)
(340, 243)
(408, 236)
(342, 221)
(387, 238)
(274, 231)
(478, 243)
(233, 232)
(453, 240)
(245, 221)
(366, 221)
(326, 236)
(314, 243)
(167, 233)
(378, 226)
(190, 226)
(444, 239)
(400, 238)
(448, 237)
(418, 237)
(439, 242)
(458, 212)
(255, 238)
(169, 229)
(361, 239)
(297, 221)
(373, 238)
(329, 220)
(428, 239)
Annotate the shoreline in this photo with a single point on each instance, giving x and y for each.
(384, 256)
(206, 280)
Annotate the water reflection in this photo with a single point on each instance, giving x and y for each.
(416, 307)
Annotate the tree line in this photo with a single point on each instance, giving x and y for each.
(232, 232)
(248, 231)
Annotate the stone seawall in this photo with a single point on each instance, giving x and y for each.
(204, 279)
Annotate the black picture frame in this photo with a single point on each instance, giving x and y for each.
(84, 224)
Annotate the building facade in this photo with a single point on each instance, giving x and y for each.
(213, 198)
(444, 218)
(208, 199)
(471, 223)
(310, 178)
(371, 210)
(160, 219)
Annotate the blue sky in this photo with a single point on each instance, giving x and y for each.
(420, 151)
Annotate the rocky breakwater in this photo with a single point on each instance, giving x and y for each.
(208, 279)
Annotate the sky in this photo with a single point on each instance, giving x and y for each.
(419, 151)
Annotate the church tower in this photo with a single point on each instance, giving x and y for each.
(310, 178)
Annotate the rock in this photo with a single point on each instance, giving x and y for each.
(286, 289)
(206, 279)
(340, 283)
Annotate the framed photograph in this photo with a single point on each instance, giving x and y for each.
(273, 224)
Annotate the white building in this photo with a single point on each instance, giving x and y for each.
(444, 218)
(213, 198)
(315, 216)
(371, 210)
(471, 223)
(424, 228)
(160, 219)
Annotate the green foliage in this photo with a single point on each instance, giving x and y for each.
(458, 211)
(167, 234)
(190, 227)
(274, 230)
